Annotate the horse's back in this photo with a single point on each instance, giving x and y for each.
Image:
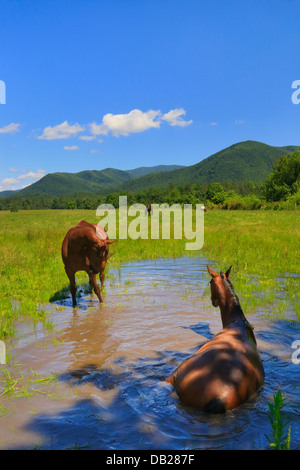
(223, 374)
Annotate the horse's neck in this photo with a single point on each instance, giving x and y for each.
(231, 313)
(237, 320)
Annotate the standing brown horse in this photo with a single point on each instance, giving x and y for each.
(86, 248)
(149, 209)
(227, 370)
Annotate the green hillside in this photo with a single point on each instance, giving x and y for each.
(90, 181)
(145, 170)
(244, 161)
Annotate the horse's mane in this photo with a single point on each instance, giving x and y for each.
(230, 288)
(236, 301)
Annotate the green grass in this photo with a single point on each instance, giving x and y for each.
(16, 386)
(261, 246)
(280, 438)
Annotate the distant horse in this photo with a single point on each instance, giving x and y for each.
(149, 209)
(227, 370)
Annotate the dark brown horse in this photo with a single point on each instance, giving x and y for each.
(149, 209)
(227, 370)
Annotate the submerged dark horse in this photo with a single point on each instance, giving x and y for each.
(227, 370)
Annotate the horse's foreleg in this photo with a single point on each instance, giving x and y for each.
(102, 277)
(71, 277)
(93, 282)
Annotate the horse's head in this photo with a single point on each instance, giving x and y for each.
(223, 296)
(217, 287)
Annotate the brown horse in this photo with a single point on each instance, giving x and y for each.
(86, 248)
(149, 209)
(227, 370)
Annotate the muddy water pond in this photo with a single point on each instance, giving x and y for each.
(95, 378)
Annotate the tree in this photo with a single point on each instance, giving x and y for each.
(284, 181)
(215, 193)
(112, 199)
(72, 205)
(173, 197)
(87, 204)
(14, 207)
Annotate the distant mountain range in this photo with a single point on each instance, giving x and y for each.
(7, 193)
(86, 182)
(244, 161)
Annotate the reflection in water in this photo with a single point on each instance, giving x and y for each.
(112, 361)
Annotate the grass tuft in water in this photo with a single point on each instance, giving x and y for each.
(280, 439)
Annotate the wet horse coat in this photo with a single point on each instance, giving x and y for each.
(227, 370)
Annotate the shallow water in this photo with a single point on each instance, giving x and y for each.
(111, 362)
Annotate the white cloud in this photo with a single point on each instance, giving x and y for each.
(71, 147)
(31, 175)
(61, 131)
(16, 183)
(239, 122)
(98, 129)
(174, 118)
(7, 183)
(133, 122)
(137, 121)
(14, 170)
(10, 128)
(87, 138)
(95, 151)
(117, 124)
(213, 124)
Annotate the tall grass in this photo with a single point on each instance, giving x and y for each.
(263, 247)
(280, 439)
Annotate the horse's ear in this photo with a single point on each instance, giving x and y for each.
(228, 272)
(211, 272)
(108, 242)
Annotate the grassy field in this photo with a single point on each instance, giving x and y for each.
(262, 246)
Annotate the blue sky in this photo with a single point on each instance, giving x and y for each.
(92, 84)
